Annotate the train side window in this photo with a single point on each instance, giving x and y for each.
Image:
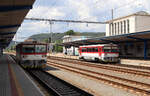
(83, 49)
(88, 50)
(96, 49)
(93, 49)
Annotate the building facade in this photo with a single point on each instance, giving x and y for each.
(136, 22)
(71, 50)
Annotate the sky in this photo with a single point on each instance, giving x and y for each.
(87, 10)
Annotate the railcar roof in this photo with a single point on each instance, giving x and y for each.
(99, 45)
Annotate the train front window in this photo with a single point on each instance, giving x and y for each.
(40, 48)
(115, 49)
(106, 49)
(28, 48)
(110, 49)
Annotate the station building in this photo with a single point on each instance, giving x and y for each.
(72, 50)
(134, 23)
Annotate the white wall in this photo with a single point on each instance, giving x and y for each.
(107, 30)
(118, 32)
(142, 23)
(132, 21)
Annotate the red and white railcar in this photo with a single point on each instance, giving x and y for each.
(100, 52)
(32, 54)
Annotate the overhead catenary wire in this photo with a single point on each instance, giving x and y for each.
(60, 20)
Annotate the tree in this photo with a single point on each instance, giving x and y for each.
(46, 40)
(57, 47)
(70, 32)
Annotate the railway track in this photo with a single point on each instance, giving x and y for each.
(139, 88)
(127, 84)
(121, 65)
(57, 86)
(107, 67)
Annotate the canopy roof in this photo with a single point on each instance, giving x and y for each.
(131, 37)
(12, 13)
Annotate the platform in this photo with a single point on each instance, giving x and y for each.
(14, 81)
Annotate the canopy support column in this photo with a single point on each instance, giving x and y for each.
(145, 49)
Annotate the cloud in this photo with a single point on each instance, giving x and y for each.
(46, 12)
(88, 10)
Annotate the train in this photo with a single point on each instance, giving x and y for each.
(102, 53)
(32, 54)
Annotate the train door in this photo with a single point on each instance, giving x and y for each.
(100, 51)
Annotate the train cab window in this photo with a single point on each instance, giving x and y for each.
(114, 49)
(28, 48)
(106, 49)
(40, 48)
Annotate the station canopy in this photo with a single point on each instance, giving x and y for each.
(131, 37)
(12, 14)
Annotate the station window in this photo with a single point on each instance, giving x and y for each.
(121, 27)
(124, 27)
(115, 29)
(128, 26)
(112, 33)
(118, 28)
(110, 29)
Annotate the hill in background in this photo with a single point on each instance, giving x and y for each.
(58, 36)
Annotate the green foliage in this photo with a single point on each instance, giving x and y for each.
(58, 36)
(58, 48)
(70, 32)
(46, 40)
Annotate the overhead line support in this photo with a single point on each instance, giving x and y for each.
(69, 21)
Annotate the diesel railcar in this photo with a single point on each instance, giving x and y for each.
(100, 52)
(32, 54)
